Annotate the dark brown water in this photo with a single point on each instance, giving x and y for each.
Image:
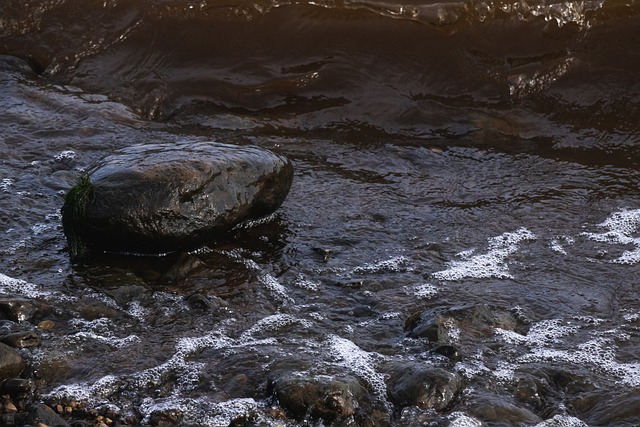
(446, 154)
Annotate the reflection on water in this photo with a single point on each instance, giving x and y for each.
(464, 209)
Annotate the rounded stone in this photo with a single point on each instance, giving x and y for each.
(158, 198)
(11, 363)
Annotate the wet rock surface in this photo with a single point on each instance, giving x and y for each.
(162, 197)
(440, 324)
(11, 363)
(422, 385)
(324, 398)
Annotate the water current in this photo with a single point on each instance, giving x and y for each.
(454, 156)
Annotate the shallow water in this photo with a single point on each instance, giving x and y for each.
(446, 154)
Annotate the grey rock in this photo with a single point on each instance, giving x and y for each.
(164, 197)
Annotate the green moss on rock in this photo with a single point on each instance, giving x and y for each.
(74, 213)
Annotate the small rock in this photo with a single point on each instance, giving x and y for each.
(422, 385)
(17, 387)
(17, 309)
(9, 406)
(11, 363)
(442, 324)
(22, 339)
(47, 325)
(43, 415)
(163, 197)
(499, 411)
(318, 397)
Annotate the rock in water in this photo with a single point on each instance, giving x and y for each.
(11, 363)
(163, 197)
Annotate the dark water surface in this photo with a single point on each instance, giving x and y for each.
(446, 154)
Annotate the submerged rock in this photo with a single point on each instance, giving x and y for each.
(319, 397)
(421, 385)
(163, 197)
(11, 363)
(443, 324)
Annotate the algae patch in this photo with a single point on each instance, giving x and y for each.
(74, 213)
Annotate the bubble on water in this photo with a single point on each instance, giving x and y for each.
(64, 155)
(22, 243)
(621, 225)
(99, 330)
(110, 340)
(562, 421)
(556, 244)
(472, 366)
(460, 419)
(200, 411)
(397, 263)
(20, 288)
(504, 372)
(171, 304)
(272, 323)
(422, 291)
(631, 317)
(137, 311)
(5, 184)
(93, 392)
(40, 228)
(544, 342)
(268, 281)
(545, 332)
(304, 283)
(360, 362)
(490, 264)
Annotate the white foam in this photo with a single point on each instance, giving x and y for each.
(621, 225)
(396, 263)
(272, 323)
(598, 353)
(67, 154)
(556, 244)
(562, 421)
(545, 332)
(99, 330)
(171, 303)
(304, 283)
(504, 372)
(460, 419)
(93, 392)
(201, 411)
(360, 362)
(490, 264)
(268, 281)
(137, 311)
(5, 184)
(21, 288)
(110, 340)
(422, 291)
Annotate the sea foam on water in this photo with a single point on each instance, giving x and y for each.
(622, 226)
(490, 264)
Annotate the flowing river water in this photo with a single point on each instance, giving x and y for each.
(450, 157)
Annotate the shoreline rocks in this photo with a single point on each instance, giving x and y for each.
(164, 197)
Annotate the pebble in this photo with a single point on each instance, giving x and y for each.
(47, 325)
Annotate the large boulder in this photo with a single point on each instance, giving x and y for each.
(163, 197)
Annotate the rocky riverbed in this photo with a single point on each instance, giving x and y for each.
(459, 245)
